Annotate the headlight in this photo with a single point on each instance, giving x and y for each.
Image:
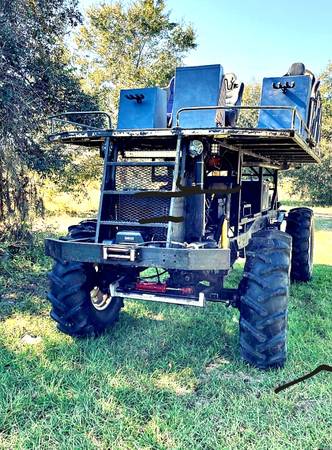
(195, 148)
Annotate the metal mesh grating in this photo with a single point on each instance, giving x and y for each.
(143, 178)
(131, 209)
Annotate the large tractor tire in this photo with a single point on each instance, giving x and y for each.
(81, 305)
(300, 225)
(264, 300)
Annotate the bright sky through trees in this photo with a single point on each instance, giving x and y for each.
(256, 38)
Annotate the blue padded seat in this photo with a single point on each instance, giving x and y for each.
(298, 89)
(315, 105)
(289, 90)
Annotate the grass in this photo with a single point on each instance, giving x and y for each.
(166, 377)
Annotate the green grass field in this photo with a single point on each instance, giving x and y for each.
(166, 377)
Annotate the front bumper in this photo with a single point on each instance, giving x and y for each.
(168, 258)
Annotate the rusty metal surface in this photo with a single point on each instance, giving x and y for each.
(169, 258)
(281, 146)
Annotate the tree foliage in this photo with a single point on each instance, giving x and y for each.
(122, 46)
(35, 81)
(326, 91)
(251, 97)
(133, 45)
(314, 181)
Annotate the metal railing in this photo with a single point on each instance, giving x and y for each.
(294, 114)
(300, 128)
(60, 119)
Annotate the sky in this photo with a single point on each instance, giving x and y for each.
(256, 38)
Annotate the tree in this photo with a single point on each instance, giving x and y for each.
(314, 181)
(130, 46)
(326, 91)
(35, 81)
(251, 97)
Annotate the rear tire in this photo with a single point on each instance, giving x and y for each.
(300, 225)
(81, 305)
(264, 300)
(85, 230)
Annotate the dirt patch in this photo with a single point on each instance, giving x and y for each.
(213, 368)
(215, 364)
(305, 405)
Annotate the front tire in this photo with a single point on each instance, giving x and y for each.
(300, 225)
(81, 303)
(73, 306)
(264, 300)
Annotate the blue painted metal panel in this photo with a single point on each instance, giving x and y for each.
(150, 113)
(298, 96)
(197, 86)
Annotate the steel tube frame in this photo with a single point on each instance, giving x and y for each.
(176, 172)
(57, 118)
(294, 111)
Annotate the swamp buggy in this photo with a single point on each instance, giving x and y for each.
(190, 185)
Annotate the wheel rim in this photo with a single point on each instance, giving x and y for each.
(100, 300)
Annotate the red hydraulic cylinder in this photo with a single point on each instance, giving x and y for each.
(161, 288)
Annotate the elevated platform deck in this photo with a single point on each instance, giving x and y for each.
(280, 147)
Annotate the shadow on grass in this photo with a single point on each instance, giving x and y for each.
(156, 362)
(158, 334)
(23, 293)
(179, 338)
(309, 295)
(23, 277)
(149, 339)
(136, 363)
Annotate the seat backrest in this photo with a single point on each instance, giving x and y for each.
(314, 113)
(292, 90)
(197, 86)
(296, 69)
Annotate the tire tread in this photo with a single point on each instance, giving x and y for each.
(264, 300)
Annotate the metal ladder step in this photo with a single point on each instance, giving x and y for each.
(141, 163)
(148, 176)
(133, 224)
(130, 192)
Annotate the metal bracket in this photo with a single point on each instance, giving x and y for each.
(281, 216)
(157, 298)
(138, 97)
(284, 87)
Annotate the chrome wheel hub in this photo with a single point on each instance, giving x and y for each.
(100, 300)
